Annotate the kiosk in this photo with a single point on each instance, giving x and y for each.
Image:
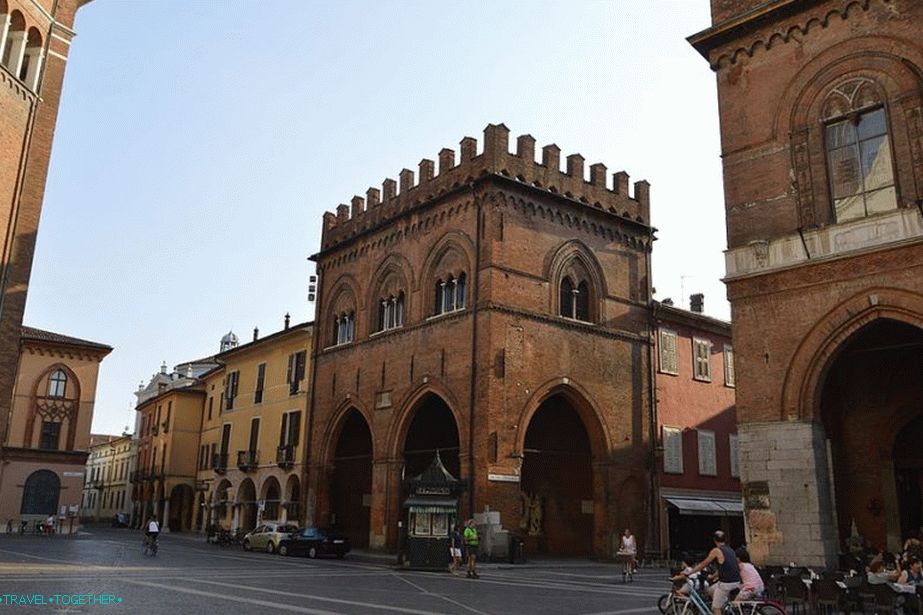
(432, 512)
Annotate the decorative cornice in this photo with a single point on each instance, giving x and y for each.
(746, 26)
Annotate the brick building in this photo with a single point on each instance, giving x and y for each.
(496, 312)
(35, 38)
(822, 140)
(698, 479)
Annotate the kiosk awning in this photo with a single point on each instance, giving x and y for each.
(430, 505)
(704, 505)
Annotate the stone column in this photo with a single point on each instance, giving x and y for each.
(787, 492)
(165, 520)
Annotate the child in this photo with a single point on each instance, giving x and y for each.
(751, 583)
(688, 579)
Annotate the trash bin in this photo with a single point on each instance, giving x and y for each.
(516, 551)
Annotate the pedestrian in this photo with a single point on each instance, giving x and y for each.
(728, 572)
(9, 527)
(49, 525)
(456, 544)
(471, 546)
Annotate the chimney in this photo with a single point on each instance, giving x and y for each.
(697, 303)
(256, 333)
(287, 319)
(163, 368)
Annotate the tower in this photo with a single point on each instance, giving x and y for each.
(822, 145)
(35, 38)
(495, 313)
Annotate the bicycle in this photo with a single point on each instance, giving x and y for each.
(628, 566)
(151, 545)
(694, 604)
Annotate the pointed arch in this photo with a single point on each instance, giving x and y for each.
(450, 258)
(48, 410)
(569, 266)
(341, 313)
(815, 354)
(389, 293)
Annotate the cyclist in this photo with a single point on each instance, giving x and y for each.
(628, 548)
(728, 572)
(153, 530)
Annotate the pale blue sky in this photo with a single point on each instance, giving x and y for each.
(199, 143)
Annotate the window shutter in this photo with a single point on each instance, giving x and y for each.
(284, 430)
(730, 378)
(735, 467)
(668, 360)
(672, 450)
(707, 466)
(295, 427)
(291, 368)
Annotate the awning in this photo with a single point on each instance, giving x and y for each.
(704, 505)
(420, 504)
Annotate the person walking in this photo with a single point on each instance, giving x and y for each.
(472, 540)
(456, 545)
(728, 572)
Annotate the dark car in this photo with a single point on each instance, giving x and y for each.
(312, 541)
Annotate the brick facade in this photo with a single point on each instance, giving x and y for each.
(37, 36)
(812, 288)
(501, 355)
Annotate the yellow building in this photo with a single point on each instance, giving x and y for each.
(48, 433)
(107, 487)
(253, 431)
(165, 471)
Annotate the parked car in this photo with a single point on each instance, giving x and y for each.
(268, 536)
(312, 541)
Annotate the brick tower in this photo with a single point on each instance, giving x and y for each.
(495, 312)
(35, 38)
(822, 141)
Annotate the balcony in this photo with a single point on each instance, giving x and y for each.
(220, 463)
(285, 456)
(248, 460)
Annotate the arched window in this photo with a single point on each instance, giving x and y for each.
(575, 301)
(391, 312)
(450, 294)
(344, 328)
(859, 162)
(57, 384)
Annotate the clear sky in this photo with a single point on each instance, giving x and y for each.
(199, 143)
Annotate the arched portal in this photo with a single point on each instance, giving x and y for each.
(246, 503)
(871, 408)
(432, 429)
(293, 500)
(271, 495)
(221, 504)
(180, 508)
(351, 479)
(41, 493)
(557, 480)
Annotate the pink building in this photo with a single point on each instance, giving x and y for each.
(698, 480)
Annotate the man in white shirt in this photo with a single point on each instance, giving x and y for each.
(153, 529)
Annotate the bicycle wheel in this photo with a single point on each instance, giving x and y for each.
(664, 603)
(767, 608)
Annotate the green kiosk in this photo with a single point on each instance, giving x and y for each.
(432, 511)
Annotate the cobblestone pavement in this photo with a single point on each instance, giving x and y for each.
(189, 576)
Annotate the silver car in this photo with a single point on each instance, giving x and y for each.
(267, 536)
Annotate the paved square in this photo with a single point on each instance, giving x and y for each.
(189, 576)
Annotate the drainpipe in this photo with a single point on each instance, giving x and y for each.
(318, 333)
(653, 532)
(475, 283)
